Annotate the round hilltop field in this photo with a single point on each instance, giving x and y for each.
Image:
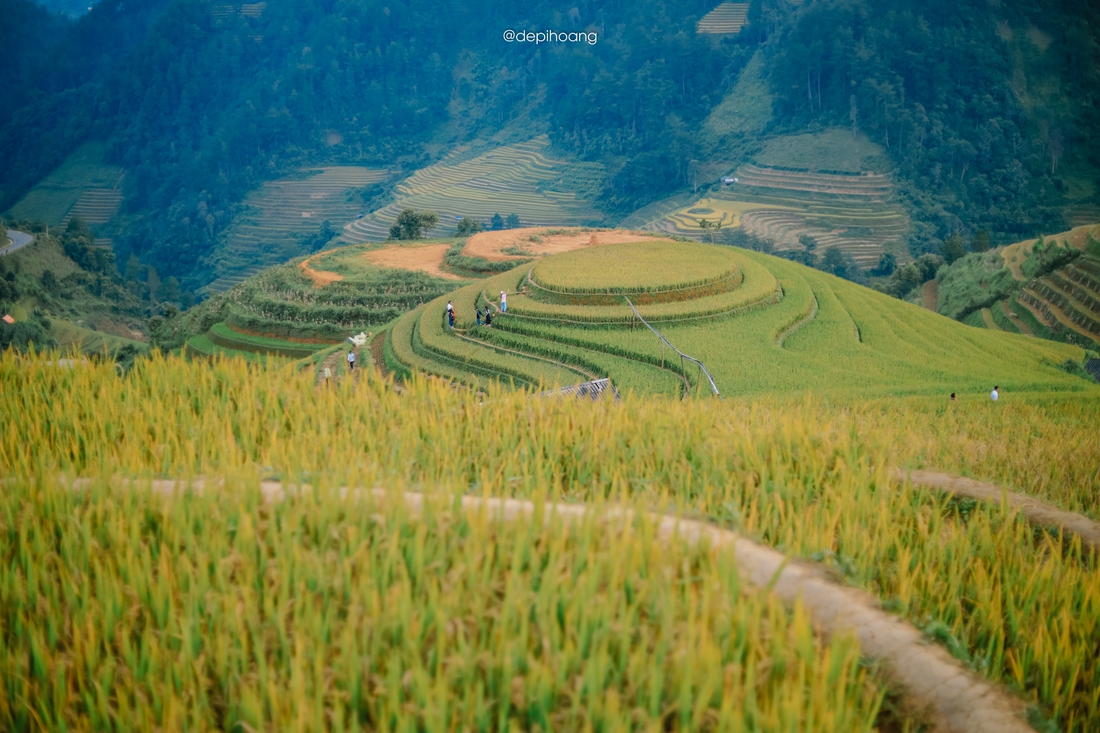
(760, 324)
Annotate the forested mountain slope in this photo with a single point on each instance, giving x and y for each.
(985, 112)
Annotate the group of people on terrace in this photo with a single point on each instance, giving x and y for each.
(485, 316)
(994, 395)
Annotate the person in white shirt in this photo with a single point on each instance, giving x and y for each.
(351, 361)
(503, 301)
(995, 394)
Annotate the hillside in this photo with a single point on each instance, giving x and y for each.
(764, 94)
(760, 324)
(1047, 287)
(64, 290)
(513, 179)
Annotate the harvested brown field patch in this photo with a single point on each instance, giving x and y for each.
(424, 258)
(491, 245)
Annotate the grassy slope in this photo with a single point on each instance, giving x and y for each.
(55, 194)
(76, 312)
(833, 149)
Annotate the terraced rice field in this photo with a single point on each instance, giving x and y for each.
(727, 18)
(273, 221)
(95, 206)
(82, 185)
(1064, 304)
(855, 213)
(247, 10)
(515, 179)
(1016, 254)
(1083, 214)
(851, 340)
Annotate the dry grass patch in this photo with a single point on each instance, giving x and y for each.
(421, 258)
(491, 245)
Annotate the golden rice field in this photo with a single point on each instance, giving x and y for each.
(120, 608)
(855, 213)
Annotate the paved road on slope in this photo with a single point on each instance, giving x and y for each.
(15, 241)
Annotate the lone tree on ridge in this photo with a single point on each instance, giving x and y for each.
(467, 227)
(413, 224)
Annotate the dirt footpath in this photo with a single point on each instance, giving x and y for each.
(425, 258)
(930, 295)
(490, 245)
(320, 278)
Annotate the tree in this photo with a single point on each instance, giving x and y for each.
(512, 222)
(980, 242)
(467, 227)
(953, 248)
(49, 282)
(412, 224)
(887, 263)
(708, 227)
(834, 262)
(904, 280)
(496, 223)
(133, 268)
(152, 281)
(928, 265)
(808, 257)
(20, 336)
(172, 290)
(324, 236)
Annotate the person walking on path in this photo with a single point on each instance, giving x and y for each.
(351, 361)
(488, 318)
(953, 397)
(503, 301)
(328, 376)
(995, 394)
(450, 314)
(478, 311)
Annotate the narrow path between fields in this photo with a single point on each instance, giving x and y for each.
(955, 699)
(495, 347)
(1036, 511)
(320, 278)
(682, 377)
(791, 329)
(1016, 320)
(930, 295)
(377, 354)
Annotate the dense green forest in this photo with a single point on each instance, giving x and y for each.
(200, 105)
(944, 86)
